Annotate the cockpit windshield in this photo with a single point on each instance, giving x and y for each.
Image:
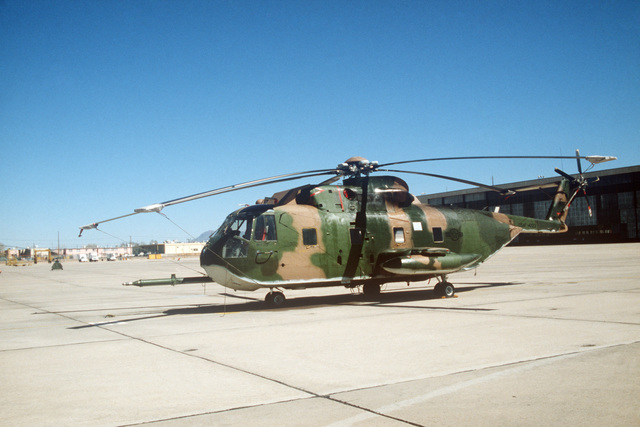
(235, 232)
(239, 232)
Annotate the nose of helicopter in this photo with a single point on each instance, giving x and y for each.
(208, 257)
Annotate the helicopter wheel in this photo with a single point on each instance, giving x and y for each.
(444, 289)
(371, 289)
(275, 299)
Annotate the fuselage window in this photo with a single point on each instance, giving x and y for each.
(309, 237)
(437, 235)
(398, 234)
(265, 229)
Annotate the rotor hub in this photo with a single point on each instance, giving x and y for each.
(356, 166)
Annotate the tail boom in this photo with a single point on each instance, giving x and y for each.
(555, 219)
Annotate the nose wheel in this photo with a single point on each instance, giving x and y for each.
(444, 289)
(275, 299)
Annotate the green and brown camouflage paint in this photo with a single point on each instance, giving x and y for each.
(367, 230)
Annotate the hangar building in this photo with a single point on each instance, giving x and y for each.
(613, 199)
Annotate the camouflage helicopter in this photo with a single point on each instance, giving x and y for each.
(365, 232)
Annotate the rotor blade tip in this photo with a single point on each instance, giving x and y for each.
(600, 159)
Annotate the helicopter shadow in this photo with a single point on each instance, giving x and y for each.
(314, 301)
(389, 299)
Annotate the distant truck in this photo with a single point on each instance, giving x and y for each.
(94, 258)
(83, 258)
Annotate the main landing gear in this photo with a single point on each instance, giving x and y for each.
(275, 299)
(444, 289)
(371, 290)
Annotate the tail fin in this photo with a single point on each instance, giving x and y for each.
(561, 202)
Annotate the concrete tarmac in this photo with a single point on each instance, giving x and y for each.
(544, 335)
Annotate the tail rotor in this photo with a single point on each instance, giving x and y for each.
(581, 181)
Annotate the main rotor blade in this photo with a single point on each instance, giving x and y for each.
(597, 159)
(95, 224)
(330, 180)
(535, 187)
(451, 178)
(254, 183)
(157, 207)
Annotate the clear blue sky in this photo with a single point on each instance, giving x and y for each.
(106, 106)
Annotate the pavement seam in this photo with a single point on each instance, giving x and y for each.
(312, 394)
(504, 365)
(509, 368)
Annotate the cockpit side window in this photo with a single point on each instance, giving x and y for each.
(265, 229)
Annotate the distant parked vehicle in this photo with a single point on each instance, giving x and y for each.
(111, 257)
(83, 258)
(94, 258)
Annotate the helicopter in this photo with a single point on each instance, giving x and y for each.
(363, 233)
